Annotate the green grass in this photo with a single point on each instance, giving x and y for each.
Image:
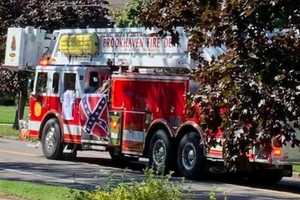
(296, 168)
(32, 191)
(8, 131)
(7, 114)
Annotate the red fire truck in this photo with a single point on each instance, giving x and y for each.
(109, 90)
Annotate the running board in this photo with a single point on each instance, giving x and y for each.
(94, 147)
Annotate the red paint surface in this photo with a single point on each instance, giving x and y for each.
(163, 99)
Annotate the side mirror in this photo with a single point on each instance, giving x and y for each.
(30, 85)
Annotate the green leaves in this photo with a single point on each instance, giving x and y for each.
(151, 188)
(48, 15)
(256, 79)
(128, 16)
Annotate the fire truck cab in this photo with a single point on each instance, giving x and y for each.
(109, 90)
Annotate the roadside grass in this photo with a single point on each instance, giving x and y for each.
(8, 132)
(7, 117)
(296, 168)
(32, 191)
(7, 114)
(152, 187)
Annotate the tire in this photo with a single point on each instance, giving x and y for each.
(160, 155)
(191, 160)
(51, 140)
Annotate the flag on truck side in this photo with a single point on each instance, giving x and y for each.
(94, 115)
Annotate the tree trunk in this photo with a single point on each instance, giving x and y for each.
(22, 97)
(16, 121)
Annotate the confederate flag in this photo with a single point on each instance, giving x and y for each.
(94, 115)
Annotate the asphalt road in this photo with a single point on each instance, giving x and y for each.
(24, 161)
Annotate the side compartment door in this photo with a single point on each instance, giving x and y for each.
(133, 137)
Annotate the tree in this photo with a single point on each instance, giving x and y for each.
(128, 16)
(48, 15)
(256, 84)
(52, 15)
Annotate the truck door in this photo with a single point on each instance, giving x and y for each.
(38, 102)
(70, 99)
(93, 110)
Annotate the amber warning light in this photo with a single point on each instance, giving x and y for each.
(114, 124)
(277, 151)
(46, 60)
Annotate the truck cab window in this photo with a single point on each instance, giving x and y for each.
(30, 83)
(41, 83)
(93, 83)
(69, 81)
(55, 83)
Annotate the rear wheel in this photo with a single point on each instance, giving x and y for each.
(160, 154)
(190, 156)
(51, 140)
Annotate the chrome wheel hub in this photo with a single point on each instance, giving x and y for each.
(159, 153)
(50, 139)
(189, 156)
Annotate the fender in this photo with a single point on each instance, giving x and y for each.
(47, 116)
(190, 124)
(164, 123)
(155, 122)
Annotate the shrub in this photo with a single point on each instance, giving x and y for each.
(151, 188)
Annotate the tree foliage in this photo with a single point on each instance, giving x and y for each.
(49, 15)
(52, 15)
(128, 16)
(253, 91)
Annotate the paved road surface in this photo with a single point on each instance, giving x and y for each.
(24, 161)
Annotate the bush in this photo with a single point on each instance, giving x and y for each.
(7, 100)
(151, 188)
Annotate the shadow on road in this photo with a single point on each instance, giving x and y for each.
(88, 173)
(292, 186)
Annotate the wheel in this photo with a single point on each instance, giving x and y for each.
(51, 140)
(190, 156)
(160, 155)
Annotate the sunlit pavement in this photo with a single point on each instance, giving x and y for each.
(24, 161)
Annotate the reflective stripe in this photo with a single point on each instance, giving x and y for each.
(133, 136)
(34, 125)
(102, 142)
(149, 77)
(132, 153)
(72, 129)
(68, 129)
